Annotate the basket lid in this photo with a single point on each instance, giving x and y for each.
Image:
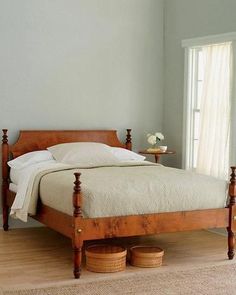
(147, 251)
(105, 251)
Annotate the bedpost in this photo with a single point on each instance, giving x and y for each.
(232, 214)
(77, 240)
(128, 143)
(5, 152)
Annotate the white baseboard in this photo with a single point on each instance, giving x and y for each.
(218, 231)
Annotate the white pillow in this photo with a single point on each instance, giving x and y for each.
(29, 159)
(126, 155)
(83, 153)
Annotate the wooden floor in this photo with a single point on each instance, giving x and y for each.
(38, 257)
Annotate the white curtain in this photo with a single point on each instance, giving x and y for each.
(214, 136)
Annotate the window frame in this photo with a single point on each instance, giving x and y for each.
(192, 108)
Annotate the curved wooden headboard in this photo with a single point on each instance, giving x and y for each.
(34, 140)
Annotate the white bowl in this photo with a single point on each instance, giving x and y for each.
(163, 148)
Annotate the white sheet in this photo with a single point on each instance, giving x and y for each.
(18, 175)
(15, 175)
(13, 187)
(24, 177)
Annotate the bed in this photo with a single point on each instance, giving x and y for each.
(79, 227)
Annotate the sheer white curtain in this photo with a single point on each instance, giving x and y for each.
(214, 136)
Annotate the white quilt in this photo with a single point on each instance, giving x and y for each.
(124, 189)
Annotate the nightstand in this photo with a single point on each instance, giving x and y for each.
(157, 153)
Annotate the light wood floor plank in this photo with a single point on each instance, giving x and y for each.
(39, 256)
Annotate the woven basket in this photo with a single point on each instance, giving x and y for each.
(105, 258)
(146, 256)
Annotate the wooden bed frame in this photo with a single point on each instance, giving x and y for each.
(80, 229)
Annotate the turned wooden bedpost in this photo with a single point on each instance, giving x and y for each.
(128, 143)
(5, 183)
(232, 214)
(77, 240)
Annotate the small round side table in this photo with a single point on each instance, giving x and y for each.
(157, 153)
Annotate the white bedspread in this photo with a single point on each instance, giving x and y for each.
(124, 189)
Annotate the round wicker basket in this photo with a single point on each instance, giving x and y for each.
(146, 256)
(105, 258)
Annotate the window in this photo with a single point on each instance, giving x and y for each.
(208, 76)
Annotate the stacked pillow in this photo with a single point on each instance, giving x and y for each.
(29, 159)
(91, 153)
(81, 153)
(126, 155)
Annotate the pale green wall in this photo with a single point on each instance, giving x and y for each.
(82, 64)
(187, 19)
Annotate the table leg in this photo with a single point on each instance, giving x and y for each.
(157, 158)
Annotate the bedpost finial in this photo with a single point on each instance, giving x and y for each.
(128, 131)
(77, 182)
(4, 136)
(233, 174)
(128, 139)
